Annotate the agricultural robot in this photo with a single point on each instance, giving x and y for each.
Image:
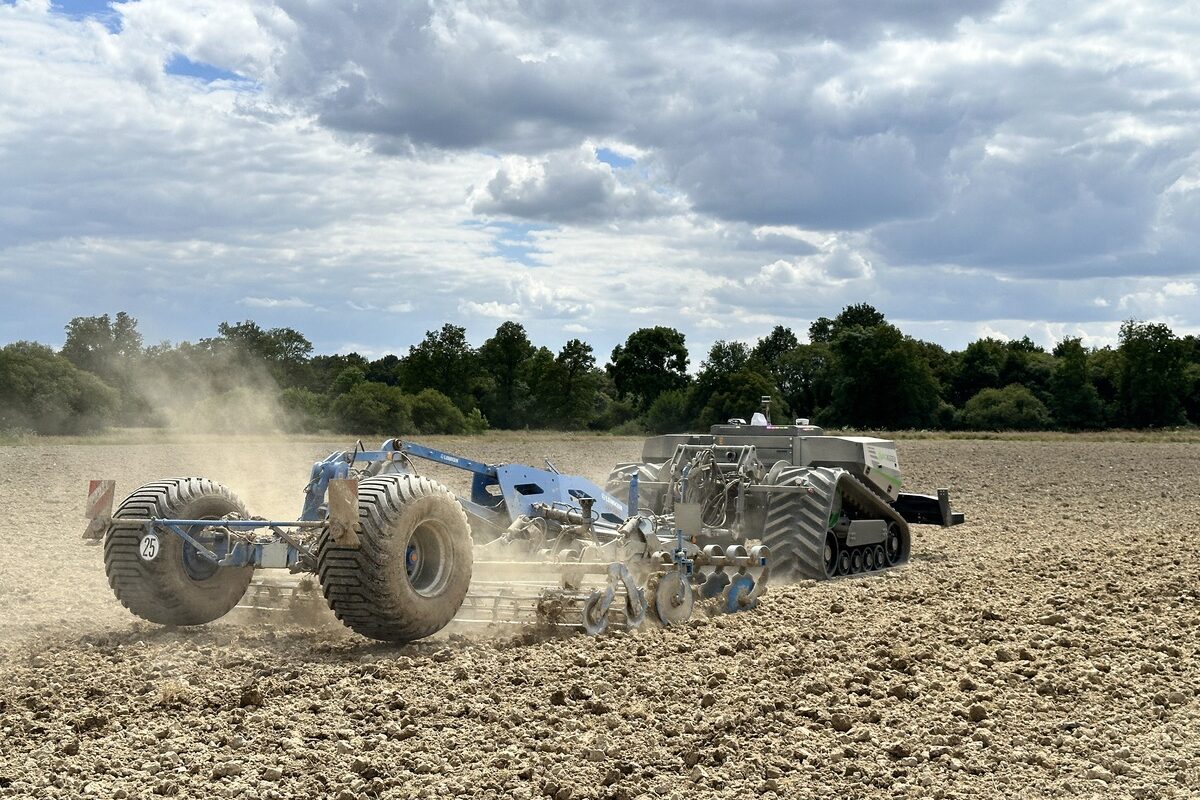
(700, 519)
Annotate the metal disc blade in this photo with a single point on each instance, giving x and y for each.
(595, 614)
(715, 584)
(673, 599)
(737, 596)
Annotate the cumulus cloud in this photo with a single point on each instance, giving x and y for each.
(1029, 167)
(492, 309)
(276, 302)
(571, 187)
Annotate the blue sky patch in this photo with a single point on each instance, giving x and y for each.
(614, 160)
(513, 241)
(182, 65)
(102, 11)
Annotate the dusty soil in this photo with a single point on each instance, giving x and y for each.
(1046, 649)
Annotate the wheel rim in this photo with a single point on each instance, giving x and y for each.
(428, 558)
(844, 563)
(880, 557)
(856, 561)
(831, 554)
(197, 567)
(868, 559)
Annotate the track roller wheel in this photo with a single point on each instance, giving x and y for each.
(896, 545)
(880, 556)
(832, 553)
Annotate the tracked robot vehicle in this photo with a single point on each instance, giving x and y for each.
(824, 505)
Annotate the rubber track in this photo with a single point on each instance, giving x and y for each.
(122, 563)
(797, 522)
(355, 581)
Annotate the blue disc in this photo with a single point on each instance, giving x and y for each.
(739, 588)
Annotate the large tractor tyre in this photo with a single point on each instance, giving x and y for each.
(410, 573)
(165, 580)
(797, 524)
(619, 479)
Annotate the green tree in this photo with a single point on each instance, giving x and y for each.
(770, 350)
(942, 364)
(980, 366)
(611, 412)
(1012, 408)
(805, 380)
(725, 386)
(111, 349)
(283, 351)
(821, 330)
(1191, 377)
(669, 413)
(104, 347)
(324, 370)
(723, 361)
(881, 380)
(565, 387)
(1074, 401)
(1028, 364)
(43, 391)
(739, 395)
(385, 370)
(860, 315)
(1151, 383)
(1104, 370)
(305, 411)
(992, 363)
(652, 361)
(444, 361)
(502, 358)
(577, 384)
(372, 408)
(346, 380)
(539, 374)
(433, 412)
(1191, 398)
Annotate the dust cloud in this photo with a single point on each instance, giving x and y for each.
(235, 397)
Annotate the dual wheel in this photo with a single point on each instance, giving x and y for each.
(840, 559)
(406, 579)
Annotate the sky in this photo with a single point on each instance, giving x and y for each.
(366, 172)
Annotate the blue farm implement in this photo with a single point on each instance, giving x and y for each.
(397, 556)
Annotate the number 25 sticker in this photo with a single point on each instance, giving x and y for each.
(148, 549)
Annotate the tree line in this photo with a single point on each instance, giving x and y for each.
(855, 370)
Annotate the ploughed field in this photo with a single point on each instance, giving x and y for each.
(1047, 648)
